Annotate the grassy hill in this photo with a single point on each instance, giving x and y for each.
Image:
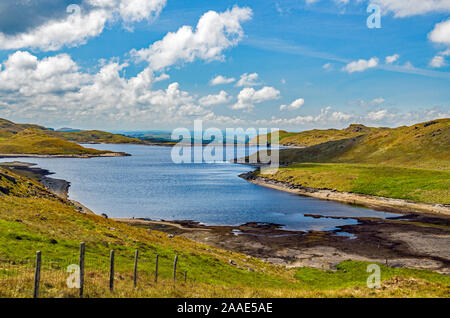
(96, 136)
(34, 139)
(33, 219)
(31, 141)
(405, 163)
(424, 145)
(316, 136)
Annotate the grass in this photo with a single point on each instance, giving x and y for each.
(385, 181)
(96, 136)
(424, 145)
(34, 139)
(36, 142)
(32, 219)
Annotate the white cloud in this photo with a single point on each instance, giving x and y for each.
(80, 25)
(392, 59)
(54, 89)
(248, 80)
(138, 10)
(441, 33)
(361, 65)
(439, 60)
(406, 8)
(327, 66)
(162, 77)
(215, 32)
(297, 104)
(219, 80)
(377, 101)
(210, 100)
(248, 97)
(377, 115)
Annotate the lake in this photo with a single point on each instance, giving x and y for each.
(149, 185)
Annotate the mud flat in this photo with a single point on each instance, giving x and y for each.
(373, 202)
(413, 241)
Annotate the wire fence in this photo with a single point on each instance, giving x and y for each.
(91, 275)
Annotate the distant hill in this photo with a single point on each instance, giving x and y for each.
(316, 136)
(96, 136)
(35, 139)
(424, 145)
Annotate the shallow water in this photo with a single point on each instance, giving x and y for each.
(149, 185)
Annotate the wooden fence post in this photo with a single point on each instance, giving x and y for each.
(37, 275)
(111, 271)
(81, 269)
(175, 268)
(185, 276)
(136, 255)
(156, 269)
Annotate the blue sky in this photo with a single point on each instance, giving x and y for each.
(134, 65)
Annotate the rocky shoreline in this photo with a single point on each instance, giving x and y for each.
(59, 187)
(373, 202)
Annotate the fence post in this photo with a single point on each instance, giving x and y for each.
(185, 276)
(37, 275)
(175, 268)
(81, 269)
(111, 271)
(136, 255)
(156, 268)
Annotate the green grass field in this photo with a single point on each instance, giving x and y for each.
(392, 182)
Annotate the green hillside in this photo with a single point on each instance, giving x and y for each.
(96, 136)
(33, 219)
(316, 136)
(410, 163)
(424, 145)
(34, 139)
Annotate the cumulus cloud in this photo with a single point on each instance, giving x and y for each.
(248, 80)
(297, 104)
(219, 80)
(392, 59)
(361, 65)
(138, 10)
(248, 97)
(54, 88)
(214, 33)
(441, 33)
(210, 100)
(80, 23)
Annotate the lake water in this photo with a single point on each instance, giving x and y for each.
(149, 185)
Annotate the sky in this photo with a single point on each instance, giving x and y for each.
(161, 64)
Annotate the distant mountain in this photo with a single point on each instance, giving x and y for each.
(65, 129)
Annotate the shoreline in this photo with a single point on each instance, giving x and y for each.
(413, 241)
(82, 156)
(369, 201)
(58, 187)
